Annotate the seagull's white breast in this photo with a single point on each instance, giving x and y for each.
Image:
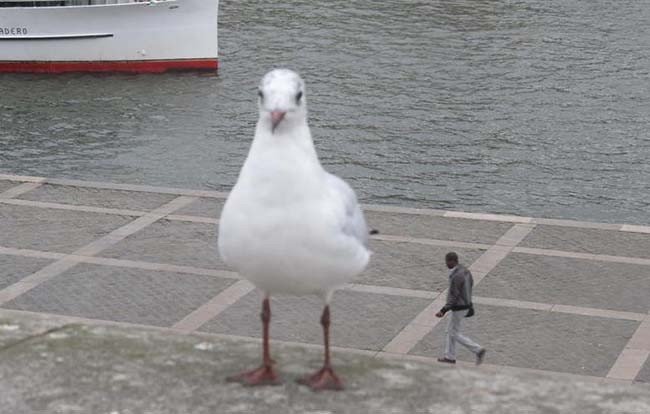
(281, 225)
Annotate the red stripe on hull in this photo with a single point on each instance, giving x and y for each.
(143, 66)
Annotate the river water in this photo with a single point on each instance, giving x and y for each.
(539, 108)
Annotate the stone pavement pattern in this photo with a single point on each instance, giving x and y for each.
(553, 295)
(108, 369)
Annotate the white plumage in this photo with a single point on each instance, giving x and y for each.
(288, 225)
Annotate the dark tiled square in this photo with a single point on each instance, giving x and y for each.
(53, 230)
(121, 294)
(14, 268)
(595, 241)
(411, 265)
(559, 280)
(97, 197)
(644, 374)
(172, 242)
(540, 340)
(359, 320)
(434, 227)
(203, 207)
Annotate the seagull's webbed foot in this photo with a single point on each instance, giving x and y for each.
(323, 379)
(264, 375)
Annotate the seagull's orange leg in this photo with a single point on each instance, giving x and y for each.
(324, 378)
(264, 375)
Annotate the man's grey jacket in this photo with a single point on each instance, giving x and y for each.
(459, 296)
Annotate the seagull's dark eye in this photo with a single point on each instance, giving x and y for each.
(260, 94)
(298, 96)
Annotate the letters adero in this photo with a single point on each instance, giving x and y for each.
(14, 31)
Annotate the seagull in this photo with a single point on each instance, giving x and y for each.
(288, 226)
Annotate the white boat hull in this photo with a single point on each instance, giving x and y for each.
(141, 37)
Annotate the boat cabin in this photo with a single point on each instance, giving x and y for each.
(55, 36)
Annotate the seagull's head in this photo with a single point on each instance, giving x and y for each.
(282, 99)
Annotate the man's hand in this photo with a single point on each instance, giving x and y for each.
(440, 314)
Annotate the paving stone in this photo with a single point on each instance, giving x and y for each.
(359, 320)
(5, 185)
(85, 369)
(14, 268)
(411, 265)
(53, 230)
(120, 294)
(171, 242)
(644, 374)
(566, 281)
(595, 241)
(97, 197)
(203, 207)
(526, 338)
(433, 227)
(537, 339)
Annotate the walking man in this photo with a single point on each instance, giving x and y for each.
(459, 302)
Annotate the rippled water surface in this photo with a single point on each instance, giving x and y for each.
(530, 107)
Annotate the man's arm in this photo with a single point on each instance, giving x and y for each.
(453, 296)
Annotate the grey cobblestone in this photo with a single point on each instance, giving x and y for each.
(440, 228)
(558, 280)
(541, 340)
(119, 294)
(572, 239)
(359, 320)
(551, 341)
(53, 230)
(203, 207)
(97, 197)
(14, 268)
(171, 242)
(411, 265)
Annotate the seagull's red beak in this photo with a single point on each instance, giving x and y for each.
(276, 118)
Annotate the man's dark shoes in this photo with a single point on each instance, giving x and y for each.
(480, 356)
(447, 360)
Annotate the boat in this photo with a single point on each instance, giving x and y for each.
(47, 36)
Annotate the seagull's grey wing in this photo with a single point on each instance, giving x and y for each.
(353, 223)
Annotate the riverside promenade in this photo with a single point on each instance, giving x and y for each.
(554, 297)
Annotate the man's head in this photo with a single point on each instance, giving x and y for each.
(451, 259)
